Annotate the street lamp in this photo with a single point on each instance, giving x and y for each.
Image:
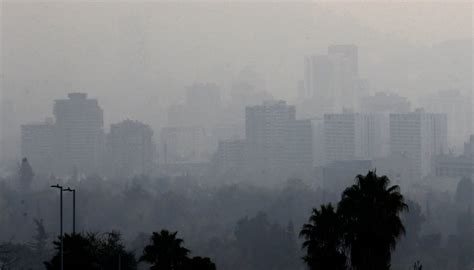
(61, 223)
(73, 208)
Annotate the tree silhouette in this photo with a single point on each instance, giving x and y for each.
(199, 263)
(40, 238)
(17, 256)
(465, 240)
(92, 252)
(464, 194)
(80, 252)
(323, 240)
(408, 249)
(8, 257)
(370, 210)
(112, 253)
(165, 252)
(417, 266)
(25, 173)
(263, 245)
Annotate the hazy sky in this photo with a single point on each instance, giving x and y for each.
(138, 57)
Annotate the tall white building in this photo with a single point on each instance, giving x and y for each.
(346, 82)
(78, 134)
(378, 127)
(419, 136)
(37, 141)
(378, 108)
(353, 136)
(345, 136)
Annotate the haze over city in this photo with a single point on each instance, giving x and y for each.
(232, 123)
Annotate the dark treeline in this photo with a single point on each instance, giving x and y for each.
(236, 226)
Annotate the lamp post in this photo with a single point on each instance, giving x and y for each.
(73, 208)
(61, 222)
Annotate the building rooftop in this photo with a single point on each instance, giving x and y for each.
(77, 96)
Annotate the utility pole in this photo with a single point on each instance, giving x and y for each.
(120, 261)
(61, 223)
(73, 208)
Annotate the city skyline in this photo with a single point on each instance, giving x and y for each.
(384, 50)
(236, 135)
(272, 138)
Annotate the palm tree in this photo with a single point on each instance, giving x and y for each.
(371, 211)
(323, 240)
(199, 263)
(165, 252)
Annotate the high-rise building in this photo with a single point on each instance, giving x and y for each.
(346, 83)
(230, 155)
(331, 81)
(318, 77)
(2, 104)
(201, 107)
(378, 108)
(350, 54)
(378, 132)
(184, 145)
(37, 146)
(354, 136)
(469, 147)
(266, 132)
(130, 149)
(202, 112)
(319, 155)
(458, 109)
(418, 136)
(9, 131)
(248, 88)
(456, 166)
(275, 139)
(78, 134)
(346, 136)
(385, 103)
(299, 147)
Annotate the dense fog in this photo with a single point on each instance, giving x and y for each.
(265, 135)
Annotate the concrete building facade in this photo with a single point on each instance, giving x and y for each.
(418, 136)
(275, 139)
(130, 149)
(78, 134)
(37, 144)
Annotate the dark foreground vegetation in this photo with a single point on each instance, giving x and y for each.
(371, 226)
